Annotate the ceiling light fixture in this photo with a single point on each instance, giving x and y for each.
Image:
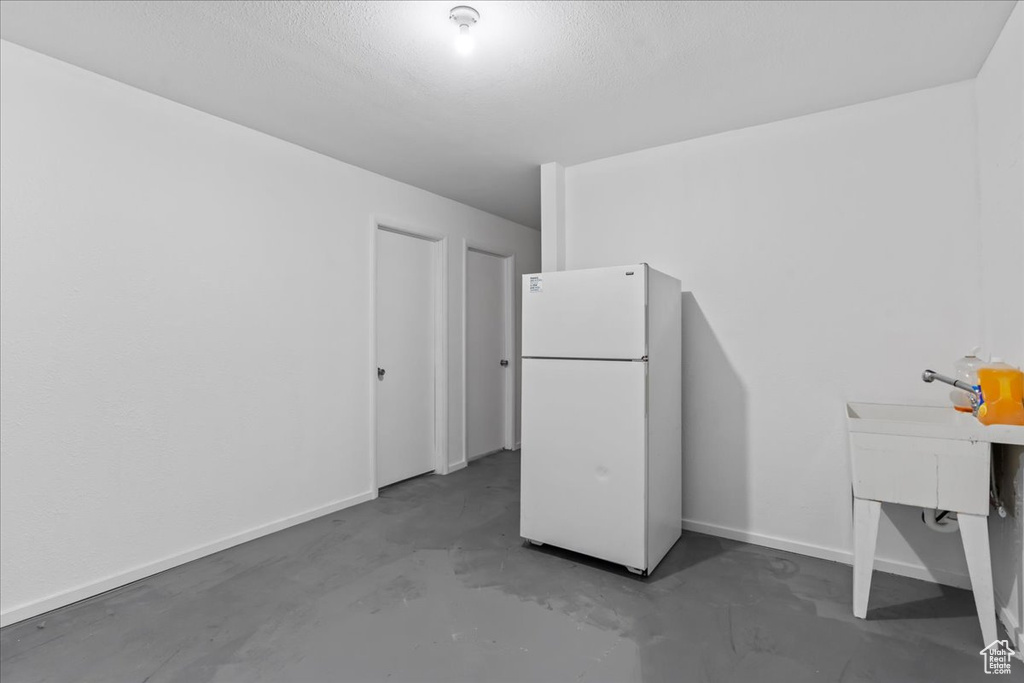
(464, 16)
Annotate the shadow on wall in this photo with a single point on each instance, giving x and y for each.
(716, 454)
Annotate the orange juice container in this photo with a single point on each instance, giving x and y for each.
(965, 369)
(1002, 390)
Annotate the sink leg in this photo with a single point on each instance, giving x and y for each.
(865, 533)
(974, 534)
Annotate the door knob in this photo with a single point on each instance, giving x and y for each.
(380, 373)
(504, 363)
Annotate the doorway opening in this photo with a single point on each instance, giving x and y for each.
(489, 352)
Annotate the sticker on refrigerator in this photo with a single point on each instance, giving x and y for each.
(536, 284)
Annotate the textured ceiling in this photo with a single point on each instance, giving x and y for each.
(379, 85)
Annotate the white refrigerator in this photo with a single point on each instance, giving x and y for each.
(602, 413)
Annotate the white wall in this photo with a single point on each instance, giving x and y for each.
(185, 340)
(999, 91)
(1000, 114)
(831, 258)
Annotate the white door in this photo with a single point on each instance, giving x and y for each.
(584, 464)
(593, 313)
(485, 351)
(405, 356)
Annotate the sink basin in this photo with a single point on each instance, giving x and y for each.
(928, 421)
(925, 456)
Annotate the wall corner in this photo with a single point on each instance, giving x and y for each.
(552, 216)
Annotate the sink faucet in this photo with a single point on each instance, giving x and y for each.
(973, 392)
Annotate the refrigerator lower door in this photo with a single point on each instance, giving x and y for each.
(584, 457)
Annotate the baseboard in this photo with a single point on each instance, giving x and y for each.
(37, 607)
(519, 446)
(457, 466)
(484, 455)
(913, 571)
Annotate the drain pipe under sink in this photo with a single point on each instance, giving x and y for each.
(943, 521)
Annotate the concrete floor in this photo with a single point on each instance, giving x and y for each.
(431, 582)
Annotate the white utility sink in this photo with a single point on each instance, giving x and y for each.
(929, 421)
(928, 457)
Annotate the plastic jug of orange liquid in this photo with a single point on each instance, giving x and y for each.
(966, 369)
(1002, 388)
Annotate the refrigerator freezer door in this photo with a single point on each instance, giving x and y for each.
(595, 313)
(584, 457)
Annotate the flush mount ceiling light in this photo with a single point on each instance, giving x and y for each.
(464, 16)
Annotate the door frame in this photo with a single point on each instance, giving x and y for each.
(440, 249)
(509, 311)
